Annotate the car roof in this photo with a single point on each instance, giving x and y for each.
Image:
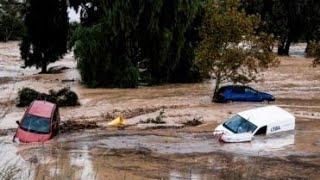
(234, 86)
(41, 108)
(264, 116)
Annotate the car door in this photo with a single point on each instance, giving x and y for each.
(251, 94)
(238, 94)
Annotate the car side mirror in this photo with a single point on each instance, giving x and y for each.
(18, 123)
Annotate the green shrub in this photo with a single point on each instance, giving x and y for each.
(193, 122)
(27, 95)
(63, 97)
(313, 50)
(156, 120)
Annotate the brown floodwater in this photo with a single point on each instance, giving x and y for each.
(144, 151)
(165, 153)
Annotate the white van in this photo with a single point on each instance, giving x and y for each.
(264, 120)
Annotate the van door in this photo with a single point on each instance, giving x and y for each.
(274, 128)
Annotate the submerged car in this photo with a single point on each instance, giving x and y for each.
(39, 123)
(259, 121)
(242, 93)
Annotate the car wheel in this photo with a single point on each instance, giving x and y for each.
(265, 102)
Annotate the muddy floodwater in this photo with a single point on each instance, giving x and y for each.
(166, 151)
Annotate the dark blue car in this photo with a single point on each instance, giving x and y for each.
(242, 93)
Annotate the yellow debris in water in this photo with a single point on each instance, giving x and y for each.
(119, 121)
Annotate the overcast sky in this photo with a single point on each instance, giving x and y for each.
(73, 16)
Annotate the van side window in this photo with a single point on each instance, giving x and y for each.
(262, 131)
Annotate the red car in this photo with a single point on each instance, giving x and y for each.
(39, 123)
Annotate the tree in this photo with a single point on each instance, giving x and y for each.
(168, 34)
(288, 20)
(157, 36)
(312, 20)
(11, 25)
(231, 50)
(105, 49)
(47, 26)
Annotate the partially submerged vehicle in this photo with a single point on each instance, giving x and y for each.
(39, 123)
(259, 121)
(242, 93)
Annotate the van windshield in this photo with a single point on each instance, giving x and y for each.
(238, 124)
(36, 124)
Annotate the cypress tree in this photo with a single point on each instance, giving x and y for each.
(123, 42)
(47, 26)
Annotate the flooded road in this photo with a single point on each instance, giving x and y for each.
(169, 151)
(165, 154)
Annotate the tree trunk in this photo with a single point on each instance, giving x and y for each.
(284, 46)
(43, 67)
(6, 38)
(287, 47)
(216, 89)
(281, 46)
(308, 50)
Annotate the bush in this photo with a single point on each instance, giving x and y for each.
(313, 50)
(63, 97)
(11, 20)
(194, 122)
(156, 120)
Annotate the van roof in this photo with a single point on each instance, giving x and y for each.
(267, 115)
(41, 108)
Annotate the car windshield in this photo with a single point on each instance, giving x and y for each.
(36, 124)
(238, 124)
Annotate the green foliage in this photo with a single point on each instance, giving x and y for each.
(160, 34)
(156, 120)
(231, 50)
(194, 122)
(26, 96)
(47, 27)
(11, 25)
(312, 21)
(288, 20)
(63, 97)
(169, 34)
(313, 50)
(105, 51)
